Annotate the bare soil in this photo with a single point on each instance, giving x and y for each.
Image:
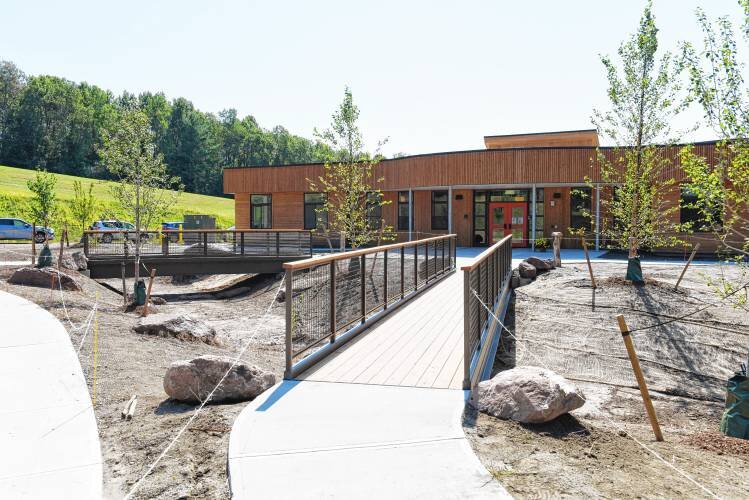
(602, 449)
(130, 363)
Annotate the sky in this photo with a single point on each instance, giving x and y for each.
(429, 76)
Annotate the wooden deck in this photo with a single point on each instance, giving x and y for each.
(420, 345)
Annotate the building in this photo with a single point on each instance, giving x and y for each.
(527, 185)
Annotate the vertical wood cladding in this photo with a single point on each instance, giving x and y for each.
(288, 210)
(462, 214)
(242, 210)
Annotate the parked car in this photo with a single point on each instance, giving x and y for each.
(113, 230)
(172, 226)
(19, 229)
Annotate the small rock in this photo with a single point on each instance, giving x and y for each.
(528, 394)
(45, 277)
(179, 326)
(540, 264)
(192, 381)
(622, 433)
(527, 270)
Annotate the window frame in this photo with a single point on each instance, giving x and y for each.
(407, 204)
(269, 206)
(585, 204)
(693, 215)
(374, 209)
(442, 225)
(319, 216)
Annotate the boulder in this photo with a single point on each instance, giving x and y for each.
(540, 264)
(516, 281)
(178, 326)
(45, 277)
(159, 301)
(192, 381)
(76, 261)
(215, 249)
(527, 270)
(528, 394)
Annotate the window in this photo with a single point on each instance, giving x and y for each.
(260, 211)
(314, 215)
(479, 218)
(439, 209)
(374, 210)
(403, 211)
(691, 213)
(580, 203)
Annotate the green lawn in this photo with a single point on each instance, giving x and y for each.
(14, 195)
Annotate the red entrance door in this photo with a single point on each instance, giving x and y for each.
(508, 218)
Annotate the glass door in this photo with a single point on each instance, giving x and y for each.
(508, 218)
(497, 224)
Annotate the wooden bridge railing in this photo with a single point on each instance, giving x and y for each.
(198, 243)
(330, 299)
(486, 281)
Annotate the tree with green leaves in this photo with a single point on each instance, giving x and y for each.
(83, 206)
(43, 205)
(721, 189)
(143, 188)
(644, 99)
(353, 201)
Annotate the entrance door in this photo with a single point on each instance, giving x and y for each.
(508, 218)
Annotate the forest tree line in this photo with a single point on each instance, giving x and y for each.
(55, 124)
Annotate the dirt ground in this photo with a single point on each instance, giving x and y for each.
(600, 449)
(129, 363)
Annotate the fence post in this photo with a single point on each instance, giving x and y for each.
(205, 243)
(241, 242)
(332, 301)
(385, 279)
(416, 267)
(278, 243)
(403, 271)
(165, 244)
(362, 278)
(435, 256)
(466, 329)
(288, 298)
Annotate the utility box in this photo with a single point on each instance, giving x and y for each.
(199, 222)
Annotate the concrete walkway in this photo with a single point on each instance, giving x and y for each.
(49, 444)
(311, 440)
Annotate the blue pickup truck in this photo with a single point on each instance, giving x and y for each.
(19, 229)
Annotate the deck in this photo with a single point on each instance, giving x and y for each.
(420, 345)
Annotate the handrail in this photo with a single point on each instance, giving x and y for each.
(485, 254)
(209, 231)
(316, 261)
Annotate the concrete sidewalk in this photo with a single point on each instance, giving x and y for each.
(310, 440)
(49, 444)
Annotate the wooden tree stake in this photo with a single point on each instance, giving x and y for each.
(124, 285)
(59, 259)
(587, 258)
(640, 379)
(684, 271)
(33, 244)
(148, 292)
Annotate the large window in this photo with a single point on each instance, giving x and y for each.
(691, 214)
(260, 211)
(314, 215)
(374, 210)
(580, 204)
(439, 209)
(479, 218)
(403, 211)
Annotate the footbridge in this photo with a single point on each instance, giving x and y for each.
(383, 347)
(112, 253)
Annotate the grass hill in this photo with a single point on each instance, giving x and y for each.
(14, 196)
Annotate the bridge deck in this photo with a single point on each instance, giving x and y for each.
(420, 345)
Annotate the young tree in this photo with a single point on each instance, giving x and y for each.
(144, 186)
(722, 189)
(643, 99)
(352, 198)
(83, 205)
(43, 204)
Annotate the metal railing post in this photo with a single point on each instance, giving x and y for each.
(362, 278)
(165, 244)
(289, 298)
(332, 301)
(205, 243)
(278, 244)
(416, 267)
(403, 272)
(426, 262)
(385, 279)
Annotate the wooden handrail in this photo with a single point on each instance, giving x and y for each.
(316, 261)
(485, 254)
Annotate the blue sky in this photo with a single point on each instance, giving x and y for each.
(430, 75)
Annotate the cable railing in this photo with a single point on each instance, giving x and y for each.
(331, 298)
(198, 243)
(487, 277)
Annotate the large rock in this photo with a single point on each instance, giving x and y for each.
(76, 261)
(215, 249)
(179, 326)
(45, 277)
(192, 381)
(528, 394)
(527, 270)
(540, 264)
